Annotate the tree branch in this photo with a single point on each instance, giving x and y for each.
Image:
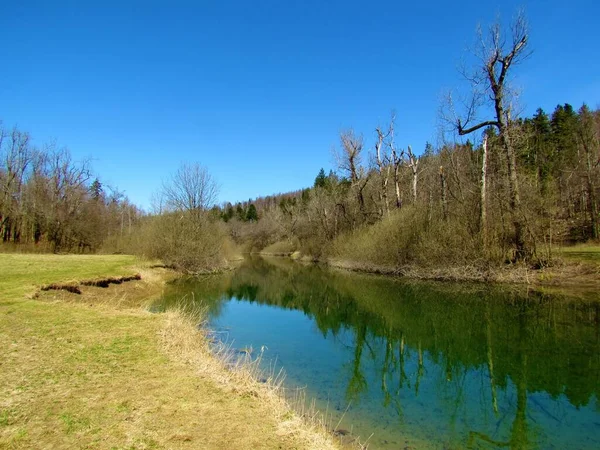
(487, 123)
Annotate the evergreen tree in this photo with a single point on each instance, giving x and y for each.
(564, 129)
(228, 213)
(251, 214)
(96, 189)
(539, 155)
(240, 213)
(428, 150)
(321, 179)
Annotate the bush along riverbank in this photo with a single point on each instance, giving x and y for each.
(575, 266)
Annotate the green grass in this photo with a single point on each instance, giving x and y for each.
(24, 273)
(582, 252)
(73, 424)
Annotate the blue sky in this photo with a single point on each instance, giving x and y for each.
(258, 91)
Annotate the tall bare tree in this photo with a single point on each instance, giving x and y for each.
(349, 160)
(191, 189)
(396, 159)
(384, 168)
(413, 163)
(497, 55)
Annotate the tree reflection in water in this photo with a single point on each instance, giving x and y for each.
(405, 334)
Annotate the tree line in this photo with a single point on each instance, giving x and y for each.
(390, 205)
(49, 201)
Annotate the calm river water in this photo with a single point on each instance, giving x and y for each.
(418, 365)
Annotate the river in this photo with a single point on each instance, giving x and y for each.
(411, 364)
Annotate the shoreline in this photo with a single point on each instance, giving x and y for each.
(564, 274)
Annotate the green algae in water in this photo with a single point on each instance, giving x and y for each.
(422, 365)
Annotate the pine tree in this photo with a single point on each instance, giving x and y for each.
(251, 214)
(321, 179)
(96, 189)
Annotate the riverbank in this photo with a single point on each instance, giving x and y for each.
(96, 370)
(573, 267)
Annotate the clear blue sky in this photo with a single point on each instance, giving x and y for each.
(257, 91)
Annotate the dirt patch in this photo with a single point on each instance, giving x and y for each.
(72, 288)
(101, 282)
(105, 282)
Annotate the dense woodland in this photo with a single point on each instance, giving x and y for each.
(502, 189)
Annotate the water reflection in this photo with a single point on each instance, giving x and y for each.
(443, 365)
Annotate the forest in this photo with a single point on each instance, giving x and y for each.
(508, 192)
(385, 205)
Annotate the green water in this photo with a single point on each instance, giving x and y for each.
(417, 365)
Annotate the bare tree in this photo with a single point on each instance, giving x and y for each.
(413, 163)
(395, 159)
(482, 193)
(383, 167)
(349, 161)
(67, 191)
(191, 189)
(349, 158)
(490, 84)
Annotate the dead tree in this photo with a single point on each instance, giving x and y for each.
(349, 161)
(413, 163)
(497, 56)
(397, 159)
(483, 186)
(384, 168)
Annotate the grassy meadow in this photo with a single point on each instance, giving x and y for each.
(97, 371)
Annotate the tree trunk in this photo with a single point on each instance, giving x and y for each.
(414, 165)
(384, 173)
(386, 202)
(397, 186)
(515, 199)
(443, 193)
(483, 206)
(414, 185)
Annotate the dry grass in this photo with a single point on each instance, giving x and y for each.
(185, 342)
(96, 371)
(280, 248)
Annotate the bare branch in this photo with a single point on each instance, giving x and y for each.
(462, 131)
(191, 188)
